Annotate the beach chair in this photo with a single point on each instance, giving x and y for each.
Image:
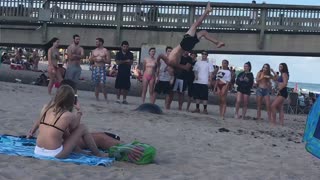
(293, 103)
(304, 107)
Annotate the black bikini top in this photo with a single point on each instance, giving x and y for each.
(52, 125)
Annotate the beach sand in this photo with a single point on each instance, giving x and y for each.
(189, 146)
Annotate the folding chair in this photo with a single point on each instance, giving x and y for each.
(293, 103)
(304, 107)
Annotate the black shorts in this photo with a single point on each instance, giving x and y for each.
(244, 90)
(188, 42)
(123, 82)
(163, 87)
(200, 91)
(283, 92)
(190, 89)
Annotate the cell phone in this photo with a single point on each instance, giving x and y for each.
(75, 99)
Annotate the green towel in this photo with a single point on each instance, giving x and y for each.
(135, 152)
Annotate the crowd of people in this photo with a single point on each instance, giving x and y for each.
(175, 72)
(28, 60)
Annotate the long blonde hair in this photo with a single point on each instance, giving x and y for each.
(62, 102)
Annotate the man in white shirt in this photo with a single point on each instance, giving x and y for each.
(203, 75)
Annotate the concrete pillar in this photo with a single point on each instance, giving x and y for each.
(263, 20)
(46, 5)
(191, 14)
(118, 37)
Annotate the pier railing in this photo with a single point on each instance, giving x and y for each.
(162, 15)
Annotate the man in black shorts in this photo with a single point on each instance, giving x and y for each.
(164, 79)
(191, 38)
(180, 85)
(203, 75)
(124, 60)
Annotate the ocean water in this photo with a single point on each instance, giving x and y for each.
(308, 86)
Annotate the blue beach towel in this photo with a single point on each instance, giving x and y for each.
(312, 130)
(20, 146)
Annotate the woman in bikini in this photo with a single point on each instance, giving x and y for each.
(53, 59)
(60, 129)
(149, 71)
(263, 79)
(222, 85)
(282, 95)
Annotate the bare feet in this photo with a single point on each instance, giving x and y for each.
(220, 44)
(208, 8)
(102, 154)
(196, 111)
(205, 111)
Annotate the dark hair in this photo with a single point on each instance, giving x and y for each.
(153, 48)
(204, 52)
(48, 45)
(70, 83)
(193, 52)
(269, 72)
(284, 68)
(226, 61)
(124, 43)
(100, 40)
(76, 35)
(249, 64)
(168, 47)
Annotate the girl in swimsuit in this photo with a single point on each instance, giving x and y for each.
(263, 79)
(277, 104)
(149, 70)
(53, 59)
(60, 128)
(222, 85)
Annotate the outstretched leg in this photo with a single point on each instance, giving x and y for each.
(176, 53)
(193, 29)
(206, 35)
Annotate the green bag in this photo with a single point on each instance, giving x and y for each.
(135, 152)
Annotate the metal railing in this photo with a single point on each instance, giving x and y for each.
(166, 15)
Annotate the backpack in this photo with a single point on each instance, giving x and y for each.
(42, 80)
(123, 152)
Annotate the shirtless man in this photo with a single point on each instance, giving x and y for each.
(263, 79)
(164, 79)
(75, 53)
(149, 71)
(191, 38)
(99, 57)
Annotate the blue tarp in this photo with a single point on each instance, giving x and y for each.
(20, 146)
(312, 131)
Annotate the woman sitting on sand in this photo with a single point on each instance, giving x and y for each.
(222, 86)
(56, 121)
(263, 79)
(282, 94)
(149, 71)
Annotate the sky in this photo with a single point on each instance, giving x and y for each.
(301, 69)
(297, 2)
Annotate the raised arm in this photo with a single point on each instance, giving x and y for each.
(92, 57)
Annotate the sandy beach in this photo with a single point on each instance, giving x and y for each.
(189, 146)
